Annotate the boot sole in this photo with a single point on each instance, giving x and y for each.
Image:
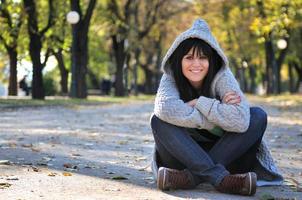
(161, 178)
(252, 183)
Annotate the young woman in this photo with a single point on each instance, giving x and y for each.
(203, 127)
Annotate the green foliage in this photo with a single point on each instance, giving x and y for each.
(68, 102)
(51, 84)
(276, 16)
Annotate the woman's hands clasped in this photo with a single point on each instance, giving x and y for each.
(230, 98)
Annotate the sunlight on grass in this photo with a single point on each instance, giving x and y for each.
(285, 100)
(66, 101)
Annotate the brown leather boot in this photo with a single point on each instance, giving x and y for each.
(243, 184)
(174, 179)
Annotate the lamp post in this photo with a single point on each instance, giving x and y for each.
(73, 17)
(281, 44)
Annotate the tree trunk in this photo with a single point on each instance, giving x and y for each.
(280, 61)
(13, 85)
(149, 84)
(94, 80)
(37, 80)
(252, 72)
(135, 69)
(79, 50)
(299, 72)
(291, 77)
(119, 54)
(63, 72)
(271, 67)
(35, 46)
(126, 72)
(78, 62)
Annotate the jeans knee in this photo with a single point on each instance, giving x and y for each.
(154, 122)
(258, 118)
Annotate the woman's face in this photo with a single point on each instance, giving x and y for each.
(195, 67)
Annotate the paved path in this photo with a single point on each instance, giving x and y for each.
(86, 152)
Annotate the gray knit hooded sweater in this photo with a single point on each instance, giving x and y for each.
(209, 113)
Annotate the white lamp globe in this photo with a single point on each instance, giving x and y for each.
(281, 44)
(73, 17)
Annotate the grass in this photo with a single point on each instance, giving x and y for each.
(282, 102)
(15, 102)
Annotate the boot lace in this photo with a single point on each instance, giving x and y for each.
(232, 183)
(180, 179)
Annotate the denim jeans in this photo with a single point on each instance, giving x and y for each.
(209, 161)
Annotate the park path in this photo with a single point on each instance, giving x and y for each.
(104, 151)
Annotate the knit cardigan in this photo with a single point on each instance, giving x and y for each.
(209, 113)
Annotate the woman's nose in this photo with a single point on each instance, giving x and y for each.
(196, 62)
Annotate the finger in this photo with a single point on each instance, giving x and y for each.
(228, 94)
(234, 101)
(230, 97)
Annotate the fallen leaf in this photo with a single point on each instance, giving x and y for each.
(52, 174)
(12, 178)
(149, 178)
(123, 142)
(35, 169)
(4, 185)
(47, 159)
(140, 159)
(67, 165)
(76, 154)
(5, 162)
(42, 163)
(35, 149)
(27, 145)
(266, 197)
(12, 145)
(66, 174)
(113, 189)
(119, 178)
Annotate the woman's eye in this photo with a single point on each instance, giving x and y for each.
(189, 57)
(203, 57)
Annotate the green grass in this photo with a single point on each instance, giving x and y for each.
(288, 100)
(13, 102)
(283, 102)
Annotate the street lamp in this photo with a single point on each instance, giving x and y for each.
(245, 64)
(73, 17)
(281, 44)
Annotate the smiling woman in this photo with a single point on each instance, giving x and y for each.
(203, 127)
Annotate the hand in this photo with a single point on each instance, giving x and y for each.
(192, 103)
(231, 98)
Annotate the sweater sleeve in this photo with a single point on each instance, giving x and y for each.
(170, 108)
(233, 118)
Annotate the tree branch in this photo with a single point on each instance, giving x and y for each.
(5, 14)
(88, 14)
(51, 20)
(47, 54)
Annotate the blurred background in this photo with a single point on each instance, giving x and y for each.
(115, 47)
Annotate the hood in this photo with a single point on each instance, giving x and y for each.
(201, 30)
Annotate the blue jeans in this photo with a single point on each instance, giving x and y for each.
(209, 161)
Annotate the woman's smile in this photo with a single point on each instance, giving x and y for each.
(195, 67)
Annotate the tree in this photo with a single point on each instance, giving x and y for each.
(11, 14)
(37, 35)
(118, 15)
(59, 42)
(79, 49)
(274, 21)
